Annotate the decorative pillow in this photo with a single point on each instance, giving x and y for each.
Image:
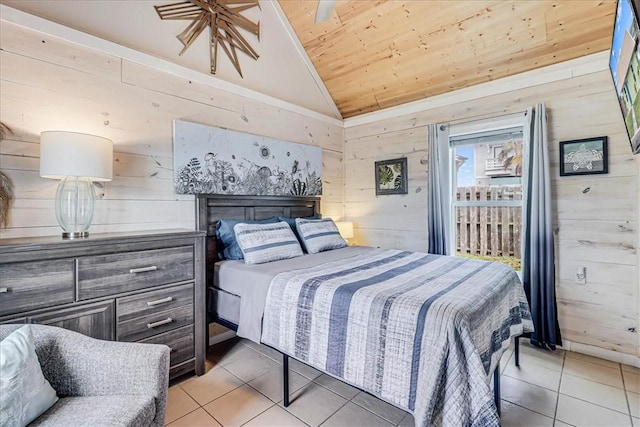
(292, 224)
(292, 221)
(25, 393)
(262, 243)
(319, 235)
(227, 245)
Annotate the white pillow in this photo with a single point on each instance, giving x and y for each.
(319, 235)
(262, 243)
(25, 393)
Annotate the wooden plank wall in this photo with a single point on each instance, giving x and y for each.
(50, 84)
(596, 216)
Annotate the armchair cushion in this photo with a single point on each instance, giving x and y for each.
(25, 393)
(100, 411)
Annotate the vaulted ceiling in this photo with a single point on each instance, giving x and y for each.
(369, 54)
(377, 54)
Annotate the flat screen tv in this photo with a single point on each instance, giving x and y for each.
(624, 64)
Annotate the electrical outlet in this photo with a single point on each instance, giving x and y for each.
(581, 275)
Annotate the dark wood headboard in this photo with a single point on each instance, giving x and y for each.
(210, 208)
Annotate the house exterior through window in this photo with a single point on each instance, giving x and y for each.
(487, 190)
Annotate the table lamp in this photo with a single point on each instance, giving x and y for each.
(76, 159)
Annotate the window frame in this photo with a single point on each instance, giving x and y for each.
(466, 131)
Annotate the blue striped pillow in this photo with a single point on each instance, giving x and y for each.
(319, 235)
(262, 243)
(226, 238)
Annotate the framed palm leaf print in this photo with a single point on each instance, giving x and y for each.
(391, 176)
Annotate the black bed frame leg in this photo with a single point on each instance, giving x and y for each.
(496, 388)
(285, 379)
(517, 350)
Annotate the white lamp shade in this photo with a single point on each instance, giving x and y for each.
(75, 154)
(345, 228)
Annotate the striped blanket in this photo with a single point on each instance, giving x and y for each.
(422, 332)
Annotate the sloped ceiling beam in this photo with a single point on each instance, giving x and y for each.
(303, 54)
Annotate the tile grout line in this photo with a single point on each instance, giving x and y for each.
(310, 381)
(274, 403)
(257, 415)
(377, 415)
(306, 385)
(222, 395)
(624, 389)
(190, 397)
(182, 416)
(211, 415)
(528, 409)
(256, 390)
(535, 385)
(587, 401)
(600, 366)
(626, 395)
(333, 413)
(530, 383)
(591, 403)
(555, 414)
(331, 391)
(348, 401)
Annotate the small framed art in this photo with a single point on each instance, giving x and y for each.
(391, 176)
(584, 156)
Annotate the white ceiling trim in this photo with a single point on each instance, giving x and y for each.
(305, 58)
(589, 64)
(41, 25)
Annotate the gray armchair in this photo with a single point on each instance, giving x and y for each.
(100, 383)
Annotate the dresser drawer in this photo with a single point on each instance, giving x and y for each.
(152, 324)
(27, 286)
(180, 341)
(105, 275)
(92, 319)
(153, 302)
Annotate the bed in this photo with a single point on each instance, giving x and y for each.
(422, 332)
(223, 304)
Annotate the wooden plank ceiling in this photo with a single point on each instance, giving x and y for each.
(377, 54)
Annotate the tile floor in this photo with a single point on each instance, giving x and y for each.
(243, 386)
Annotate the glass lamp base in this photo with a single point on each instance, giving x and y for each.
(75, 235)
(74, 206)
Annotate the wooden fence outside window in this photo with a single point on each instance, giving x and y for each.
(489, 230)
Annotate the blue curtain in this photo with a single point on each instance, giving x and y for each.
(439, 191)
(538, 268)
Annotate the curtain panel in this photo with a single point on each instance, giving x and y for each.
(538, 258)
(439, 191)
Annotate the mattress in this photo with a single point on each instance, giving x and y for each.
(251, 283)
(226, 306)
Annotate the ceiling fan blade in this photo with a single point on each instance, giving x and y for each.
(323, 12)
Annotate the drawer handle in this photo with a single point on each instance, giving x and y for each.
(4, 290)
(160, 301)
(143, 269)
(159, 323)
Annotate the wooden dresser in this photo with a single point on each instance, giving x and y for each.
(143, 287)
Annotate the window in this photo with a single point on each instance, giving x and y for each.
(487, 191)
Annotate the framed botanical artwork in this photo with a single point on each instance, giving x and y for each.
(391, 176)
(584, 156)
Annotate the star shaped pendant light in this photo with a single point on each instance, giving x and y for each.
(223, 19)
